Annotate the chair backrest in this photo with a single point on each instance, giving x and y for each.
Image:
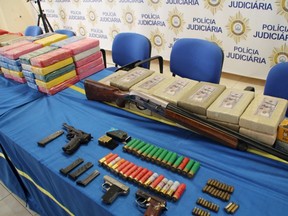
(277, 81)
(67, 32)
(129, 47)
(33, 31)
(197, 59)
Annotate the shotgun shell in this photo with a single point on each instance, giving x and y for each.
(106, 162)
(157, 153)
(144, 148)
(131, 142)
(146, 152)
(156, 182)
(114, 161)
(125, 169)
(145, 177)
(183, 164)
(161, 156)
(177, 163)
(141, 174)
(131, 170)
(135, 173)
(189, 166)
(137, 147)
(118, 164)
(151, 179)
(194, 169)
(105, 158)
(166, 158)
(128, 149)
(178, 193)
(152, 152)
(173, 188)
(166, 187)
(172, 159)
(122, 166)
(161, 184)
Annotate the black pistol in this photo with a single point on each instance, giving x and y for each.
(154, 205)
(76, 138)
(113, 189)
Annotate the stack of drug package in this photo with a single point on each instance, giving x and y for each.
(262, 118)
(200, 97)
(87, 56)
(7, 37)
(9, 59)
(229, 106)
(54, 70)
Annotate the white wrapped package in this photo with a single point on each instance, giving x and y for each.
(267, 139)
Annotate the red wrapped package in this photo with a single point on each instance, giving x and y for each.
(82, 45)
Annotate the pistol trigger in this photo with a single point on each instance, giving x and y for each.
(106, 186)
(141, 202)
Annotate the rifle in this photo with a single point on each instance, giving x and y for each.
(100, 92)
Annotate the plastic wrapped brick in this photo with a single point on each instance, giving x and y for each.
(86, 53)
(88, 59)
(25, 59)
(51, 68)
(17, 52)
(67, 41)
(82, 45)
(47, 41)
(89, 65)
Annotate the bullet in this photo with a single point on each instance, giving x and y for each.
(161, 156)
(151, 179)
(105, 158)
(125, 169)
(122, 166)
(147, 151)
(144, 148)
(118, 164)
(141, 174)
(189, 165)
(161, 184)
(106, 162)
(135, 173)
(166, 187)
(177, 163)
(173, 188)
(131, 170)
(183, 164)
(194, 169)
(114, 161)
(156, 182)
(131, 142)
(152, 152)
(179, 192)
(137, 147)
(128, 149)
(166, 158)
(145, 177)
(172, 159)
(157, 153)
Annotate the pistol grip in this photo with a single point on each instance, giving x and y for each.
(154, 209)
(72, 145)
(111, 194)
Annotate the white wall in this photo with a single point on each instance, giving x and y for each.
(16, 15)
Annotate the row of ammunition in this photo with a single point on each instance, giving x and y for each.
(143, 177)
(168, 159)
(231, 208)
(221, 186)
(223, 195)
(200, 212)
(207, 204)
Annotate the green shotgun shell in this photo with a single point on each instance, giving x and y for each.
(189, 165)
(152, 152)
(133, 145)
(178, 162)
(148, 150)
(162, 155)
(167, 157)
(172, 159)
(139, 146)
(157, 153)
(131, 142)
(194, 169)
(143, 148)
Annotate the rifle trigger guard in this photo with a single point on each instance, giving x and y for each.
(106, 186)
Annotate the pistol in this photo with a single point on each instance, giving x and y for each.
(154, 205)
(76, 138)
(113, 189)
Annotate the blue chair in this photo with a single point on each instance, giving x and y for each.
(129, 48)
(197, 59)
(33, 31)
(277, 82)
(67, 32)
